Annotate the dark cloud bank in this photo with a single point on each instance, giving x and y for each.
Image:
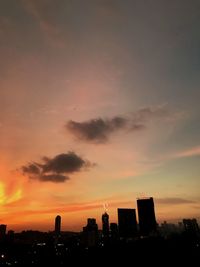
(99, 130)
(56, 169)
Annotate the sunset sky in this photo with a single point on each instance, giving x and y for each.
(99, 105)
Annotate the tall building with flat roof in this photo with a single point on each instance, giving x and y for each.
(146, 216)
(57, 225)
(127, 222)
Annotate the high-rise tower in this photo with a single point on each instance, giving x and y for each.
(57, 225)
(146, 215)
(105, 224)
(127, 223)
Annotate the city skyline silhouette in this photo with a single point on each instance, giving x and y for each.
(113, 242)
(132, 221)
(136, 231)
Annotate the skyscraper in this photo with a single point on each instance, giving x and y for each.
(127, 223)
(146, 215)
(105, 224)
(57, 225)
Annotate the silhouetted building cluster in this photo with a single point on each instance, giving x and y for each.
(191, 226)
(127, 222)
(115, 242)
(167, 229)
(127, 227)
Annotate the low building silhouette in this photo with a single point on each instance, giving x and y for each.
(90, 234)
(10, 236)
(167, 229)
(114, 231)
(191, 226)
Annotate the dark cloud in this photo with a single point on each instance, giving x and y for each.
(55, 169)
(137, 127)
(57, 178)
(98, 130)
(148, 113)
(64, 163)
(174, 201)
(31, 168)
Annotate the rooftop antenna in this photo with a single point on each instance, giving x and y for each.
(141, 195)
(105, 206)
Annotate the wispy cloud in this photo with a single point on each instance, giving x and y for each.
(173, 201)
(39, 11)
(98, 130)
(191, 152)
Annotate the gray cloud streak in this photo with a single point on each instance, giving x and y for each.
(174, 201)
(98, 130)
